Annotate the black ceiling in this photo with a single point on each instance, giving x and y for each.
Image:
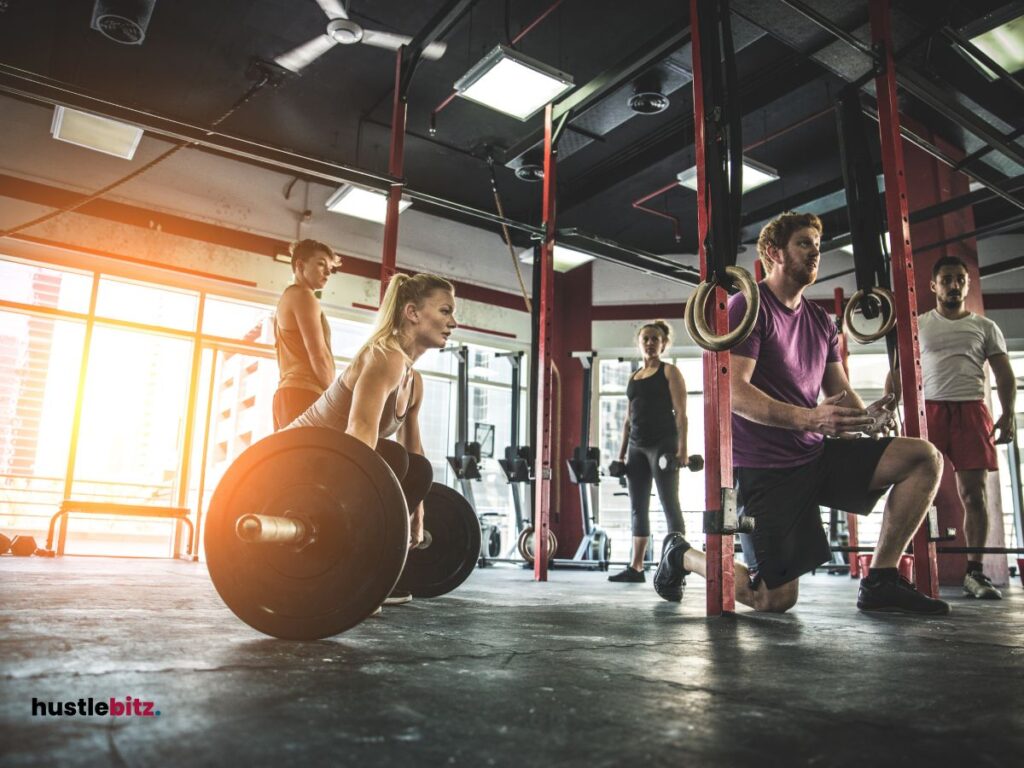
(196, 61)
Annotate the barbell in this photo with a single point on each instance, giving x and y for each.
(308, 530)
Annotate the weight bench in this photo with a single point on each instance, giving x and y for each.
(67, 506)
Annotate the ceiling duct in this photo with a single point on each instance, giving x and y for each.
(123, 21)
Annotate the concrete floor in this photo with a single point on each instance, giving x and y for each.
(502, 672)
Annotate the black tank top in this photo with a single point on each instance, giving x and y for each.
(651, 417)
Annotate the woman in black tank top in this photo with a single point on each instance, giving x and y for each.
(655, 425)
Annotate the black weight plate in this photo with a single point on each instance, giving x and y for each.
(354, 502)
(454, 550)
(494, 543)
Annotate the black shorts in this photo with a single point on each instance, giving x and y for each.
(789, 539)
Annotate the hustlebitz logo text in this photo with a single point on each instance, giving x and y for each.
(125, 706)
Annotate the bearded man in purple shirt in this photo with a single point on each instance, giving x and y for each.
(793, 454)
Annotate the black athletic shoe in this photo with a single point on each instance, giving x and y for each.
(628, 575)
(898, 597)
(670, 578)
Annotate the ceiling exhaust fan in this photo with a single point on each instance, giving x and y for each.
(342, 30)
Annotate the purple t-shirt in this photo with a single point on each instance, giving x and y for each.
(791, 347)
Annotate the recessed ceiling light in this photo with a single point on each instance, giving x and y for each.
(565, 258)
(509, 82)
(754, 175)
(94, 132)
(1004, 44)
(369, 204)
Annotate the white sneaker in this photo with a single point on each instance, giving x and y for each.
(977, 584)
(397, 597)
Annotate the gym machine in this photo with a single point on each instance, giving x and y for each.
(465, 461)
(518, 462)
(584, 470)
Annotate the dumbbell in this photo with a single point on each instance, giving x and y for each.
(618, 469)
(668, 462)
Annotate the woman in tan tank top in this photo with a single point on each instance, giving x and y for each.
(380, 394)
(302, 337)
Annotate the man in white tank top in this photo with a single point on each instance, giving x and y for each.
(955, 345)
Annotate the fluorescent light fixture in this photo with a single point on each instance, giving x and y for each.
(283, 258)
(1004, 44)
(565, 258)
(93, 132)
(754, 175)
(369, 204)
(509, 82)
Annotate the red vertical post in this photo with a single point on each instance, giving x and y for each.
(545, 339)
(721, 593)
(844, 352)
(396, 163)
(925, 565)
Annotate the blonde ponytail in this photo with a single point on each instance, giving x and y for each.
(403, 289)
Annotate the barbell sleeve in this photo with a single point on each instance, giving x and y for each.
(268, 529)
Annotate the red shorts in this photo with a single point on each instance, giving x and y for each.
(962, 431)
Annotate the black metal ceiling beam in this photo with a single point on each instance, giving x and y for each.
(1010, 265)
(1005, 77)
(634, 258)
(980, 233)
(436, 28)
(915, 84)
(995, 186)
(962, 201)
(584, 97)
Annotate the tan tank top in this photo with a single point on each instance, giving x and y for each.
(293, 359)
(334, 405)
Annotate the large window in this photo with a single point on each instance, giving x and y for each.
(176, 384)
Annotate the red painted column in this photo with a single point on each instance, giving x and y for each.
(396, 164)
(721, 593)
(574, 295)
(934, 182)
(904, 284)
(545, 338)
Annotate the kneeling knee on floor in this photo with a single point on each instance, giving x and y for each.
(770, 602)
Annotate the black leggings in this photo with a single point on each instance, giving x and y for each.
(413, 471)
(641, 469)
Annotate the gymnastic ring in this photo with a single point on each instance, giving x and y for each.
(866, 338)
(697, 326)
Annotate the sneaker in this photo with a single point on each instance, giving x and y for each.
(628, 575)
(398, 597)
(977, 584)
(670, 578)
(897, 597)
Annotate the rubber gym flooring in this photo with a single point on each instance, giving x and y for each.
(502, 672)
